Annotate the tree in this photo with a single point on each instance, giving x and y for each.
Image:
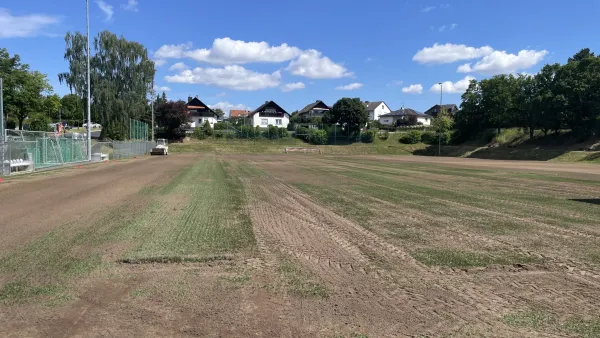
(72, 107)
(497, 99)
(121, 79)
(39, 122)
(471, 118)
(219, 112)
(24, 90)
(51, 105)
(349, 112)
(172, 118)
(526, 110)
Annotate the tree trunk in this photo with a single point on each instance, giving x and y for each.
(20, 123)
(531, 132)
(499, 130)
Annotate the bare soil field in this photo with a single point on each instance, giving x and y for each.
(302, 245)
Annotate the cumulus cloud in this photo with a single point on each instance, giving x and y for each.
(427, 9)
(449, 53)
(106, 9)
(501, 62)
(450, 87)
(288, 87)
(395, 83)
(351, 86)
(179, 66)
(227, 51)
(25, 25)
(221, 94)
(312, 64)
(162, 88)
(226, 106)
(159, 62)
(413, 89)
(131, 5)
(232, 77)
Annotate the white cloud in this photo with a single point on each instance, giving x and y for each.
(131, 5)
(413, 89)
(351, 86)
(162, 88)
(501, 62)
(24, 26)
(288, 87)
(427, 9)
(159, 62)
(179, 66)
(226, 106)
(221, 94)
(233, 77)
(454, 25)
(450, 87)
(395, 83)
(442, 28)
(449, 53)
(312, 64)
(106, 8)
(227, 51)
(445, 6)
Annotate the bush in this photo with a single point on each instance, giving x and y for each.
(446, 138)
(303, 134)
(271, 133)
(429, 137)
(219, 133)
(11, 123)
(384, 135)
(207, 129)
(368, 136)
(40, 122)
(318, 136)
(223, 125)
(199, 134)
(412, 137)
(283, 133)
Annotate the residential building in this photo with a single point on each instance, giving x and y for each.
(315, 109)
(270, 113)
(239, 113)
(200, 113)
(402, 116)
(376, 109)
(449, 108)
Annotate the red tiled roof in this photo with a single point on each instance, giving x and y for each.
(238, 113)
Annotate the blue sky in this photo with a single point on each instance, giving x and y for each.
(237, 54)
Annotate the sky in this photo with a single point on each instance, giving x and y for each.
(239, 54)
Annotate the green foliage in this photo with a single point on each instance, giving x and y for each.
(121, 80)
(72, 107)
(207, 129)
(219, 112)
(384, 135)
(271, 133)
(219, 134)
(223, 125)
(199, 134)
(247, 132)
(11, 123)
(318, 136)
(411, 137)
(367, 136)
(40, 122)
(303, 134)
(429, 137)
(51, 104)
(348, 112)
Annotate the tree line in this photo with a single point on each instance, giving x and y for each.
(559, 97)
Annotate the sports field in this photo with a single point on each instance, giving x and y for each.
(302, 246)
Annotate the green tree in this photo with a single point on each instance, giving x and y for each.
(121, 79)
(72, 107)
(39, 122)
(349, 112)
(51, 105)
(497, 100)
(471, 118)
(219, 112)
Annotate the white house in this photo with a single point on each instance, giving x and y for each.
(376, 109)
(269, 114)
(199, 113)
(402, 116)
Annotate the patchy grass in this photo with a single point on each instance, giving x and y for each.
(299, 283)
(465, 259)
(541, 320)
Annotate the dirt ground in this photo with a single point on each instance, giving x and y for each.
(326, 270)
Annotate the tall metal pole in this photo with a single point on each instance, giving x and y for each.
(1, 110)
(89, 109)
(439, 116)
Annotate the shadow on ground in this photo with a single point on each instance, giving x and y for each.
(587, 200)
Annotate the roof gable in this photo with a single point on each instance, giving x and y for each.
(195, 103)
(373, 105)
(317, 104)
(268, 104)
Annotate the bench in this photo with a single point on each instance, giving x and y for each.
(96, 157)
(17, 165)
(302, 149)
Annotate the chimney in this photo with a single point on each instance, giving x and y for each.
(266, 101)
(189, 98)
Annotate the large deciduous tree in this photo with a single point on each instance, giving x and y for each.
(121, 79)
(172, 118)
(349, 112)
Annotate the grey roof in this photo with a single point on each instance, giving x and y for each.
(406, 112)
(372, 105)
(311, 106)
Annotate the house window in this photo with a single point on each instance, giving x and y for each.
(264, 122)
(278, 122)
(270, 110)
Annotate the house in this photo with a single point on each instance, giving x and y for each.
(402, 116)
(270, 113)
(199, 113)
(315, 109)
(376, 109)
(449, 108)
(238, 113)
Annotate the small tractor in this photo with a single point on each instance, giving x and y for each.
(161, 147)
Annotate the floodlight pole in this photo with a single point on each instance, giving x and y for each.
(439, 116)
(89, 110)
(1, 110)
